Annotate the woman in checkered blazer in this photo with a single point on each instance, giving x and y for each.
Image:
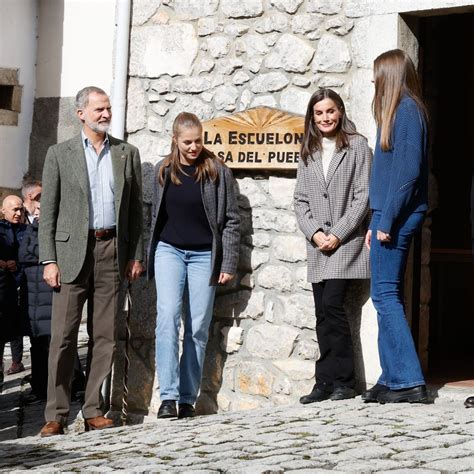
(331, 206)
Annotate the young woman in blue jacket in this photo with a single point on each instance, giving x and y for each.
(398, 195)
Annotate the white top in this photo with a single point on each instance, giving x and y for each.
(329, 147)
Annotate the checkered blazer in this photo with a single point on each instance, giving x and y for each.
(222, 212)
(336, 205)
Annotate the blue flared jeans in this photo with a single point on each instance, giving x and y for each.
(398, 358)
(182, 291)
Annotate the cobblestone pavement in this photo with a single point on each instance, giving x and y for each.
(344, 436)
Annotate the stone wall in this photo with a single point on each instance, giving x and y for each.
(215, 57)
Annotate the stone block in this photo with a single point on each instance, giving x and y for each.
(291, 54)
(162, 49)
(288, 6)
(233, 338)
(339, 25)
(240, 78)
(279, 221)
(194, 9)
(301, 81)
(371, 37)
(241, 305)
(228, 66)
(225, 98)
(289, 249)
(136, 105)
(250, 193)
(162, 86)
(255, 64)
(155, 124)
(143, 10)
(245, 99)
(269, 82)
(274, 22)
(332, 55)
(296, 369)
(152, 147)
(264, 101)
(204, 65)
(361, 93)
(218, 46)
(253, 378)
(242, 9)
(275, 277)
(236, 29)
(281, 190)
(295, 100)
(270, 341)
(298, 310)
(306, 23)
(191, 85)
(301, 278)
(282, 385)
(261, 240)
(327, 7)
(307, 349)
(207, 26)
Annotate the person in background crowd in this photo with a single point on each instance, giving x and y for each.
(90, 237)
(399, 200)
(31, 193)
(194, 246)
(331, 206)
(11, 318)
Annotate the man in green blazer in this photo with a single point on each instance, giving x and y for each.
(90, 238)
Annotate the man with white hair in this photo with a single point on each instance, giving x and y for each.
(11, 319)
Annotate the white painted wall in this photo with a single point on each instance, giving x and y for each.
(18, 50)
(75, 46)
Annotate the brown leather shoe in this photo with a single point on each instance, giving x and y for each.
(98, 423)
(52, 428)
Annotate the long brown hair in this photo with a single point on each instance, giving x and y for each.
(394, 76)
(206, 167)
(313, 138)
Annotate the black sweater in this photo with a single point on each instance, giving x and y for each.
(183, 219)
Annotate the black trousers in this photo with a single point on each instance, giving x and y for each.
(335, 366)
(39, 351)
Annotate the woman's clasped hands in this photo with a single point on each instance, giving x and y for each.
(326, 243)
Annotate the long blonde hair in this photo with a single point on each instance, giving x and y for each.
(394, 76)
(206, 167)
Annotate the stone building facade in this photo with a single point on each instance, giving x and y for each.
(215, 58)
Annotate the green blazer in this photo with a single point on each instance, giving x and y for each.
(64, 221)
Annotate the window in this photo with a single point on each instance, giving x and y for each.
(10, 97)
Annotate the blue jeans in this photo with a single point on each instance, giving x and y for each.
(182, 289)
(398, 358)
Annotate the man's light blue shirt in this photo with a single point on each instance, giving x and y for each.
(101, 185)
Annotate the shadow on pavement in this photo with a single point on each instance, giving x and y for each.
(26, 456)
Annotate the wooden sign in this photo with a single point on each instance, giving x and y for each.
(256, 138)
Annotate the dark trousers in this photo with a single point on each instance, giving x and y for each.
(335, 366)
(98, 283)
(39, 351)
(16, 346)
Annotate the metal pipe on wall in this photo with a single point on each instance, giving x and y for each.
(119, 85)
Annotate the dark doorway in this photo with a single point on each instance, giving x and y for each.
(447, 59)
